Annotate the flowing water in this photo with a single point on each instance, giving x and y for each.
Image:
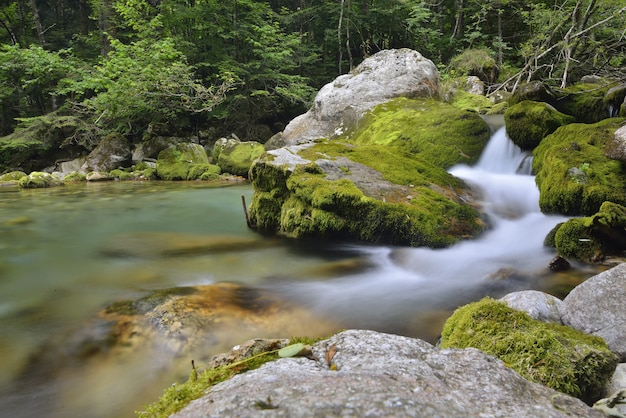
(53, 274)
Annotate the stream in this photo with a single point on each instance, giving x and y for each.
(53, 275)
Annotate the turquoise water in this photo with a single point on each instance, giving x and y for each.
(57, 271)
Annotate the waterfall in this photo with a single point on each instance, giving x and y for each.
(403, 278)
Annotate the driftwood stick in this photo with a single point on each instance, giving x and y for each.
(245, 211)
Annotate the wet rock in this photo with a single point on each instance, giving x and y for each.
(538, 305)
(559, 263)
(597, 307)
(365, 373)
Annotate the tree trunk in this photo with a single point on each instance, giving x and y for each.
(38, 27)
(342, 4)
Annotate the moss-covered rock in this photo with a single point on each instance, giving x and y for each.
(594, 237)
(237, 158)
(38, 179)
(385, 182)
(121, 174)
(586, 102)
(573, 174)
(431, 130)
(12, 177)
(535, 91)
(181, 161)
(476, 62)
(75, 177)
(557, 356)
(528, 122)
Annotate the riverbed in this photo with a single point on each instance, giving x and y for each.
(55, 272)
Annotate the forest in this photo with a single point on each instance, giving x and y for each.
(93, 67)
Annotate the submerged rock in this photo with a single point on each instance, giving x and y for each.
(365, 373)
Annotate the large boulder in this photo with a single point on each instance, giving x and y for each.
(385, 181)
(112, 152)
(365, 373)
(597, 307)
(574, 175)
(528, 122)
(338, 105)
(557, 356)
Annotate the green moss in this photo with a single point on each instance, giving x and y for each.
(13, 176)
(584, 101)
(238, 158)
(74, 177)
(38, 179)
(177, 162)
(430, 130)
(477, 62)
(178, 396)
(528, 122)
(594, 237)
(473, 102)
(554, 355)
(121, 174)
(573, 174)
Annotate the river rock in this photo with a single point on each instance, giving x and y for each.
(597, 307)
(538, 305)
(365, 373)
(379, 78)
(183, 161)
(113, 151)
(616, 146)
(236, 157)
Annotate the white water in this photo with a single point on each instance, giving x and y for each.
(411, 280)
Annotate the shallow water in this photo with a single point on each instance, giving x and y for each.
(56, 270)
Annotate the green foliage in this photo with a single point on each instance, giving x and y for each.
(551, 354)
(144, 82)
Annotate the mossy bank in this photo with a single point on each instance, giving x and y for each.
(383, 182)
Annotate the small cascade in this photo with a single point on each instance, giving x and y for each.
(405, 279)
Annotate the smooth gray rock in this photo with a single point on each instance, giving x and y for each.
(340, 104)
(597, 307)
(112, 152)
(539, 305)
(616, 147)
(369, 374)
